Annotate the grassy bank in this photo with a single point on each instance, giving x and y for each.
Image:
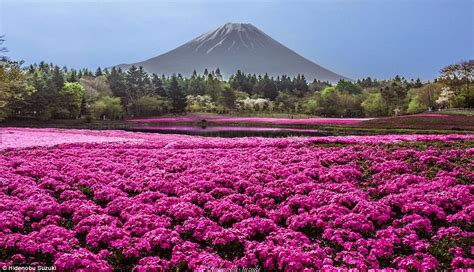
(451, 122)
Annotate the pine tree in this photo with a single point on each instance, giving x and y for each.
(269, 89)
(98, 72)
(57, 79)
(218, 74)
(2, 48)
(132, 80)
(236, 81)
(72, 76)
(144, 83)
(418, 83)
(177, 96)
(196, 86)
(85, 111)
(228, 98)
(158, 86)
(117, 82)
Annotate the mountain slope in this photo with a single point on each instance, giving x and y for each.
(232, 47)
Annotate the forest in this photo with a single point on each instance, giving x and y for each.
(46, 91)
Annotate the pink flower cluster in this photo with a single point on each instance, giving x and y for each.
(295, 204)
(24, 137)
(11, 138)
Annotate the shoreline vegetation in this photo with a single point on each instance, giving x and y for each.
(47, 92)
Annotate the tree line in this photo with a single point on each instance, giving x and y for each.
(46, 91)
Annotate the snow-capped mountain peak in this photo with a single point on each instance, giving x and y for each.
(232, 47)
(231, 36)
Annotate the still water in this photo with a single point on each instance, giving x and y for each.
(228, 131)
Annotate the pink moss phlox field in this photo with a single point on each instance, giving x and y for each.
(11, 138)
(24, 137)
(165, 202)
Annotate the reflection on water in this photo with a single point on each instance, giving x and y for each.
(227, 131)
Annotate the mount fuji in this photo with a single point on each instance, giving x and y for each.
(231, 47)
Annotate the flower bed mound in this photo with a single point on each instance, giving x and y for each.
(422, 121)
(401, 202)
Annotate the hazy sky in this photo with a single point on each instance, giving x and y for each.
(377, 38)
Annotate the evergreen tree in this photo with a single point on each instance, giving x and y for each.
(228, 98)
(137, 84)
(218, 74)
(2, 48)
(394, 94)
(85, 110)
(31, 69)
(236, 81)
(117, 83)
(177, 96)
(157, 86)
(418, 83)
(242, 82)
(300, 86)
(98, 72)
(39, 100)
(196, 86)
(285, 84)
(132, 80)
(267, 88)
(213, 87)
(57, 79)
(145, 87)
(348, 87)
(72, 76)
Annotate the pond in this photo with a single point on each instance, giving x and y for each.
(228, 131)
(238, 126)
(222, 119)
